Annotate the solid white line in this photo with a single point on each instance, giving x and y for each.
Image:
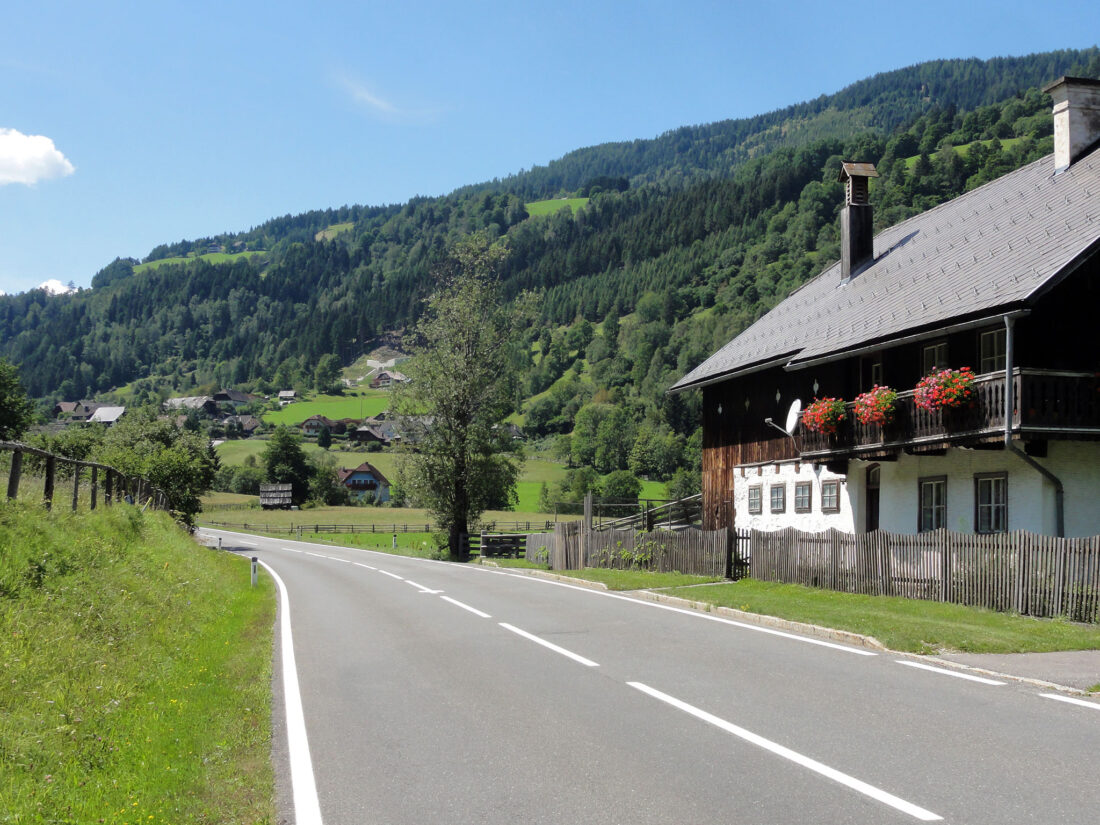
(307, 808)
(473, 610)
(392, 575)
(947, 672)
(550, 645)
(699, 615)
(1082, 702)
(793, 756)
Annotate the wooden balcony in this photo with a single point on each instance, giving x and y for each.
(1046, 405)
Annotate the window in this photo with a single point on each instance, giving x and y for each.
(934, 357)
(779, 498)
(933, 503)
(803, 496)
(991, 503)
(830, 496)
(756, 500)
(992, 347)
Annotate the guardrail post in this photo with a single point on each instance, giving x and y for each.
(16, 472)
(254, 571)
(95, 486)
(51, 471)
(76, 485)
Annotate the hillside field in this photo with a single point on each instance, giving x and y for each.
(549, 207)
(357, 403)
(209, 257)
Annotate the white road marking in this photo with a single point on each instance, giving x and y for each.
(473, 610)
(366, 566)
(422, 588)
(333, 558)
(805, 761)
(291, 550)
(699, 615)
(248, 543)
(947, 672)
(307, 808)
(549, 645)
(1082, 702)
(318, 555)
(392, 575)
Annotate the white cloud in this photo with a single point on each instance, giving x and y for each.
(30, 158)
(55, 287)
(382, 108)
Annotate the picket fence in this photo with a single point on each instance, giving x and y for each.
(1010, 572)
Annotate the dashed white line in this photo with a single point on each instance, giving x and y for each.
(1081, 702)
(365, 566)
(392, 575)
(291, 550)
(946, 672)
(779, 750)
(318, 555)
(473, 610)
(247, 543)
(422, 588)
(307, 808)
(549, 645)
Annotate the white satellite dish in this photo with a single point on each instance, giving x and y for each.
(794, 415)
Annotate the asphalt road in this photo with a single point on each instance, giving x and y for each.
(434, 692)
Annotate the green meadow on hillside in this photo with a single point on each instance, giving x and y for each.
(549, 207)
(209, 257)
(358, 403)
(330, 232)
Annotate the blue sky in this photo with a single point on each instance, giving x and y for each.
(128, 124)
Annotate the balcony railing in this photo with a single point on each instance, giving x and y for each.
(1046, 404)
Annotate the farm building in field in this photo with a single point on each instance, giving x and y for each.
(366, 482)
(1003, 280)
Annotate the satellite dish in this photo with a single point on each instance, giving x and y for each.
(794, 415)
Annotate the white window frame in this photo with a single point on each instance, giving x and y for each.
(991, 514)
(931, 503)
(777, 498)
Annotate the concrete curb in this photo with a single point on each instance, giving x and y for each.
(817, 631)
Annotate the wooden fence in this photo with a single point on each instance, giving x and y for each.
(690, 551)
(1019, 572)
(390, 527)
(117, 486)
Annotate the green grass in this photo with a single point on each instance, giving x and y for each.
(901, 624)
(210, 257)
(549, 207)
(135, 673)
(234, 453)
(963, 150)
(332, 231)
(356, 404)
(637, 579)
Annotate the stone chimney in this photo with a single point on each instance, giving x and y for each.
(857, 237)
(1076, 118)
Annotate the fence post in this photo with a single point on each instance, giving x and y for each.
(95, 487)
(16, 472)
(51, 471)
(76, 485)
(109, 488)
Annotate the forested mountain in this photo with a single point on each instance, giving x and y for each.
(717, 224)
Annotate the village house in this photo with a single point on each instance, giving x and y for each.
(1005, 280)
(386, 379)
(287, 397)
(107, 415)
(233, 398)
(366, 482)
(313, 425)
(202, 404)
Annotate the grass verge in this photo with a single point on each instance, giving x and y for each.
(135, 673)
(901, 624)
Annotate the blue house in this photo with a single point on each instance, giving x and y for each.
(365, 482)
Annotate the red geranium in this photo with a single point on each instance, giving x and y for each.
(824, 415)
(876, 406)
(945, 389)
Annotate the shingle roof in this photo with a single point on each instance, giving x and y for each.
(993, 248)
